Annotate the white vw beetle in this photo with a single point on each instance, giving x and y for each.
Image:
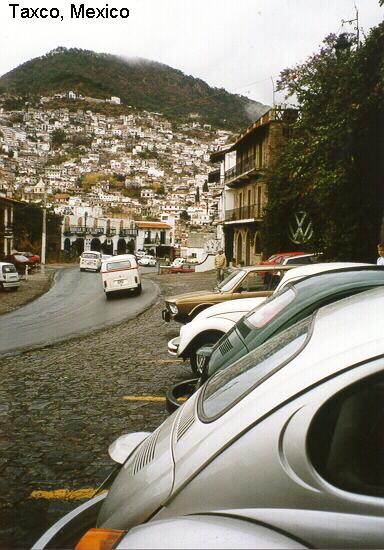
(210, 325)
(282, 449)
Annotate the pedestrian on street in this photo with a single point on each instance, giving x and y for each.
(220, 265)
(380, 250)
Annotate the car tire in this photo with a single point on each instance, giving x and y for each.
(82, 269)
(138, 290)
(108, 295)
(205, 339)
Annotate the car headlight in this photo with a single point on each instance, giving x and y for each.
(173, 308)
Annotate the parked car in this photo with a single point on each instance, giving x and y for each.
(9, 278)
(208, 327)
(213, 322)
(303, 259)
(35, 258)
(21, 262)
(291, 303)
(90, 261)
(183, 268)
(140, 253)
(279, 257)
(177, 262)
(283, 449)
(120, 274)
(148, 261)
(247, 282)
(294, 301)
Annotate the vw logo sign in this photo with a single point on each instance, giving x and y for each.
(300, 228)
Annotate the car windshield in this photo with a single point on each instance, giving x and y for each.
(20, 258)
(90, 255)
(116, 266)
(231, 281)
(9, 268)
(231, 384)
(265, 312)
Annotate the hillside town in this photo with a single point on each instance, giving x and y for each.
(138, 181)
(114, 174)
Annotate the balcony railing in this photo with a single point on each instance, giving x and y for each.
(82, 231)
(157, 242)
(241, 169)
(128, 233)
(249, 212)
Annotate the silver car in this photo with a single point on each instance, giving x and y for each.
(283, 449)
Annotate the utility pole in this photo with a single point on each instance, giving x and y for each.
(44, 230)
(273, 92)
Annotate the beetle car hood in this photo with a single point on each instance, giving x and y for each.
(190, 296)
(144, 481)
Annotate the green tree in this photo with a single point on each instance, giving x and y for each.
(332, 167)
(184, 216)
(58, 137)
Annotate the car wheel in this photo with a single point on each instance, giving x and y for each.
(82, 269)
(138, 290)
(206, 339)
(108, 296)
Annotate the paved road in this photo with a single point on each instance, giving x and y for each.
(74, 306)
(62, 406)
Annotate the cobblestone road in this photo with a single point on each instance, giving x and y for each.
(62, 406)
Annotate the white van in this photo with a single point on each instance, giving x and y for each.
(9, 278)
(90, 261)
(119, 274)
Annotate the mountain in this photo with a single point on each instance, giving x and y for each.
(138, 82)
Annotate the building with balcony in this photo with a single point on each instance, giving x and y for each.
(90, 232)
(154, 237)
(243, 169)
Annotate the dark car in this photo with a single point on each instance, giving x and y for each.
(21, 262)
(293, 303)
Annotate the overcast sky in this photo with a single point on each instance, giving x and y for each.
(235, 44)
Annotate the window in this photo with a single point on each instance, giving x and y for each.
(231, 281)
(346, 438)
(9, 268)
(91, 255)
(254, 281)
(264, 313)
(116, 266)
(231, 384)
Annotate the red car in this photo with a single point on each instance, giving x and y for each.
(35, 258)
(183, 268)
(279, 257)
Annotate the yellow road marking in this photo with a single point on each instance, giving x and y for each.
(147, 398)
(64, 494)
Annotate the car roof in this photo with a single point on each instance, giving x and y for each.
(312, 269)
(121, 257)
(272, 267)
(6, 263)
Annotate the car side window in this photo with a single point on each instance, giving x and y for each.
(346, 438)
(253, 282)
